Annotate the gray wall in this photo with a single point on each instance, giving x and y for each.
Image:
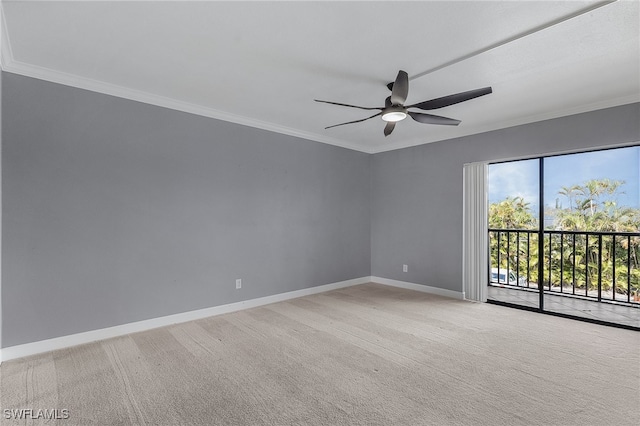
(116, 211)
(417, 192)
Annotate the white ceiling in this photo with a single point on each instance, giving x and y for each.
(263, 63)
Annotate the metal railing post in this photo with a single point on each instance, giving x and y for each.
(629, 268)
(613, 281)
(600, 268)
(561, 263)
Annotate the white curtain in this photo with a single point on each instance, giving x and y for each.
(474, 232)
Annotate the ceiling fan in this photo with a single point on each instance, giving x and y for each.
(394, 109)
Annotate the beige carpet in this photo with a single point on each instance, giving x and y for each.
(365, 355)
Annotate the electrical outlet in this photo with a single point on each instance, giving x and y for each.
(405, 268)
(238, 283)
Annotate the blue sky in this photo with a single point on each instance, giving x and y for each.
(520, 178)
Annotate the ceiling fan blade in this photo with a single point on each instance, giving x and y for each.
(433, 119)
(355, 121)
(346, 105)
(452, 99)
(387, 102)
(389, 128)
(400, 88)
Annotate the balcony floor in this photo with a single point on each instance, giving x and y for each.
(591, 310)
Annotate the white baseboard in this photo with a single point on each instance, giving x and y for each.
(419, 287)
(33, 348)
(27, 349)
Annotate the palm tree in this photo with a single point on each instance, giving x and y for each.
(570, 192)
(592, 207)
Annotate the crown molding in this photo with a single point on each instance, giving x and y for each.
(66, 79)
(8, 64)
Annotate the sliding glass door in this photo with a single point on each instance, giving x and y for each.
(564, 235)
(513, 232)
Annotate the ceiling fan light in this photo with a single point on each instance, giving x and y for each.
(394, 116)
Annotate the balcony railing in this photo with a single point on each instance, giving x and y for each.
(603, 266)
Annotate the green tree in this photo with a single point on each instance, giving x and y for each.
(591, 206)
(512, 213)
(508, 250)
